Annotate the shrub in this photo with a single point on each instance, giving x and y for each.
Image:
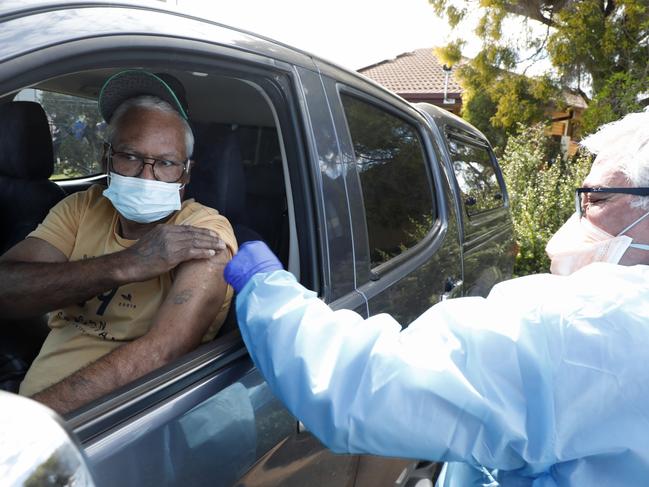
(541, 188)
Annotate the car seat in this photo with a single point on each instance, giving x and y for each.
(26, 163)
(26, 196)
(217, 178)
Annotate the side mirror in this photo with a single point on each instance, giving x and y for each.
(36, 449)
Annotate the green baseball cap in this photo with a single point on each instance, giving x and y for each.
(138, 82)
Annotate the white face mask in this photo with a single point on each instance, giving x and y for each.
(142, 200)
(578, 243)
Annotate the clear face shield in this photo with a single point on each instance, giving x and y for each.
(578, 242)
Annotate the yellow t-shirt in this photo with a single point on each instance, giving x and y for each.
(84, 225)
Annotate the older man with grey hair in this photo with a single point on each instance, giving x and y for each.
(543, 383)
(131, 274)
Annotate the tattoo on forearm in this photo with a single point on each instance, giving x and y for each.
(183, 296)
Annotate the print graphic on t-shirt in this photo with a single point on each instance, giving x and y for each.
(105, 300)
(86, 326)
(127, 301)
(96, 326)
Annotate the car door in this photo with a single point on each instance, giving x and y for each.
(409, 255)
(209, 417)
(488, 244)
(426, 261)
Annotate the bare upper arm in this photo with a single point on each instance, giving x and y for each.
(202, 279)
(196, 296)
(33, 249)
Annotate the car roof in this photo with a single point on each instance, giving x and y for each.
(252, 42)
(12, 9)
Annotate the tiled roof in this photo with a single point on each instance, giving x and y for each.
(574, 100)
(414, 72)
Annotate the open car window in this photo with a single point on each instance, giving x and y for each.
(239, 170)
(77, 132)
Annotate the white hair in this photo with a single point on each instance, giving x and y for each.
(625, 143)
(151, 103)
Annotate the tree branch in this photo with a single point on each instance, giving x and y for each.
(538, 51)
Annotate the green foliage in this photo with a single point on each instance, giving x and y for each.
(450, 54)
(600, 44)
(498, 101)
(77, 134)
(541, 190)
(600, 39)
(617, 97)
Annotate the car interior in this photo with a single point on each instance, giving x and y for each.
(240, 170)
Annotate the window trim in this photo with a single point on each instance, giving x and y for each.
(407, 261)
(451, 133)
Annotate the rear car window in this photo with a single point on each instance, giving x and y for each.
(395, 182)
(77, 132)
(476, 175)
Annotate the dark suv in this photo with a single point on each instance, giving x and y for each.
(377, 204)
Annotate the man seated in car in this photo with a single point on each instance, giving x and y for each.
(133, 278)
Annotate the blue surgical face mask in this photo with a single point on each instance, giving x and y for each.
(142, 200)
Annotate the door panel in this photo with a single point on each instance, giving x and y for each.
(489, 254)
(410, 294)
(301, 459)
(412, 248)
(234, 421)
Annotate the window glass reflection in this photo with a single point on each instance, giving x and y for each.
(476, 176)
(399, 204)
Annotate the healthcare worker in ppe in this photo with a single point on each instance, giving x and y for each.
(543, 383)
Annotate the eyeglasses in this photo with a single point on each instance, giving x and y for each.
(132, 165)
(579, 207)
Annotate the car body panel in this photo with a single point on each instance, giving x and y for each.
(487, 237)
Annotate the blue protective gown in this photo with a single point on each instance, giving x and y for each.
(543, 383)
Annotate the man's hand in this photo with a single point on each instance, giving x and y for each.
(166, 246)
(187, 312)
(37, 277)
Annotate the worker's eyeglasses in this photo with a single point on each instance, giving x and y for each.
(580, 195)
(132, 165)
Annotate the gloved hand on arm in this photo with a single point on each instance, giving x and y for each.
(253, 257)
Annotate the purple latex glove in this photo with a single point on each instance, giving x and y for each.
(252, 258)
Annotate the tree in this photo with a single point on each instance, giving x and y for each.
(77, 131)
(541, 188)
(598, 44)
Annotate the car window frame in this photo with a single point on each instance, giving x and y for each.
(407, 260)
(31, 68)
(451, 132)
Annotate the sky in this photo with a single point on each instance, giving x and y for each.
(351, 33)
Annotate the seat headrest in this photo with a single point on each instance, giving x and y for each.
(218, 179)
(25, 141)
